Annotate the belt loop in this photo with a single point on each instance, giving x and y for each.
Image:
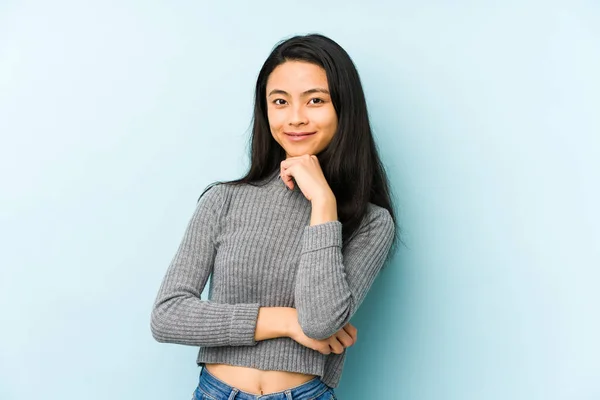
(288, 395)
(234, 393)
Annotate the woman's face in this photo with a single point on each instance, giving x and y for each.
(298, 102)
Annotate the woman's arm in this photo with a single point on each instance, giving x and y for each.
(332, 282)
(274, 322)
(179, 315)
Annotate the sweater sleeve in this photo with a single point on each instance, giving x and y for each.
(179, 315)
(332, 282)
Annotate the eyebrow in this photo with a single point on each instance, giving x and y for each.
(310, 91)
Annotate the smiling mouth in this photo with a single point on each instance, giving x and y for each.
(296, 134)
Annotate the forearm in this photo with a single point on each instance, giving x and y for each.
(275, 322)
(323, 209)
(313, 313)
(323, 298)
(332, 281)
(185, 319)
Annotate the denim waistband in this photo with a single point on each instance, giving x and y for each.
(218, 389)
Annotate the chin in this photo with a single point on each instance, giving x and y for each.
(298, 153)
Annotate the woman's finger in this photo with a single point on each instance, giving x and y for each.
(336, 346)
(324, 347)
(287, 177)
(344, 338)
(352, 331)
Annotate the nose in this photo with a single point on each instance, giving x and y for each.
(298, 116)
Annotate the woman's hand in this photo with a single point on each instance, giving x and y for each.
(343, 338)
(307, 173)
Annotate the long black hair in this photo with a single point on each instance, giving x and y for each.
(350, 162)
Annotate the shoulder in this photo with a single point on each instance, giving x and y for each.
(220, 195)
(213, 197)
(377, 214)
(378, 220)
(211, 193)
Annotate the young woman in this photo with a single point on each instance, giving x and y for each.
(293, 247)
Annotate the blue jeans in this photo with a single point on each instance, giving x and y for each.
(211, 388)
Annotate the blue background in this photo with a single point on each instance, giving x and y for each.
(115, 115)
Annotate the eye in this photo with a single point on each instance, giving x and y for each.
(317, 100)
(279, 102)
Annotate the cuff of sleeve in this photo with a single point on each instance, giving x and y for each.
(243, 325)
(320, 236)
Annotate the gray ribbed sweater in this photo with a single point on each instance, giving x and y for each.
(262, 252)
